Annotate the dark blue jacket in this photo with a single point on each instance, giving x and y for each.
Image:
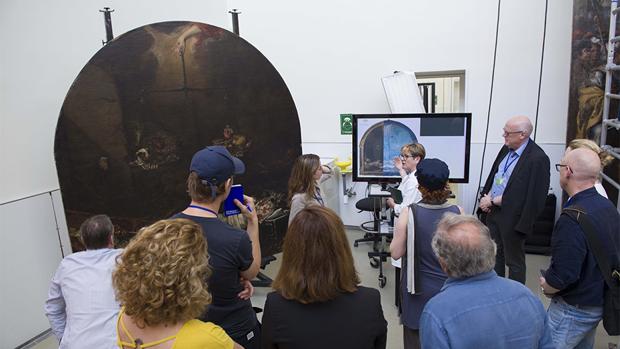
(573, 268)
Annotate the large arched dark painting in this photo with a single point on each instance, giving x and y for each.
(151, 98)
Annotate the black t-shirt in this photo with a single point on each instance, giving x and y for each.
(352, 320)
(230, 252)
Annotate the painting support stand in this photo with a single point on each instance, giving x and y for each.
(235, 20)
(107, 20)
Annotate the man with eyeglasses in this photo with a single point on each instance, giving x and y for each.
(514, 194)
(574, 280)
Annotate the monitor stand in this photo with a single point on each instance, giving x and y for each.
(378, 190)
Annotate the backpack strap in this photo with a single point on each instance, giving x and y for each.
(611, 274)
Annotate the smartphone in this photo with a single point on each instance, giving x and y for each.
(236, 192)
(397, 195)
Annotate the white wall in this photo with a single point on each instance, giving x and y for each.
(45, 47)
(331, 54)
(30, 251)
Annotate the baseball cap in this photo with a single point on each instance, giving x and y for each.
(215, 165)
(432, 174)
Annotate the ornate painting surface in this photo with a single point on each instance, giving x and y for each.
(381, 144)
(151, 98)
(587, 80)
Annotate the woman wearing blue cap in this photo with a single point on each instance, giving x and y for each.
(234, 253)
(422, 276)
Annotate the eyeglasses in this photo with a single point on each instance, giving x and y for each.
(404, 157)
(559, 166)
(507, 133)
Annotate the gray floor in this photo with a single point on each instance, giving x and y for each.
(368, 277)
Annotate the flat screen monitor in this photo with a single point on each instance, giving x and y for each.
(377, 139)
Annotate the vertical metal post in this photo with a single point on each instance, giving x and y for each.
(610, 68)
(610, 63)
(107, 20)
(235, 20)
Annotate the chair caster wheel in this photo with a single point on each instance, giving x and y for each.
(355, 244)
(382, 281)
(374, 262)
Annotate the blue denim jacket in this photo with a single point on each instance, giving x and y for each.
(484, 311)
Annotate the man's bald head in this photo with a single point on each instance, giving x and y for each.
(521, 123)
(584, 163)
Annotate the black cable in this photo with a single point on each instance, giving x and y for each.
(486, 133)
(56, 221)
(542, 57)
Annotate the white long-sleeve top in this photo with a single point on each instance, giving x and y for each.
(409, 188)
(600, 189)
(81, 306)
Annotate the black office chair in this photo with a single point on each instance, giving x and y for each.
(372, 234)
(539, 241)
(263, 280)
(272, 232)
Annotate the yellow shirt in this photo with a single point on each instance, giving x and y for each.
(194, 334)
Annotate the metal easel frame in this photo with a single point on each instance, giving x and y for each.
(610, 68)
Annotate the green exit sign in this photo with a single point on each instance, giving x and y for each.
(346, 124)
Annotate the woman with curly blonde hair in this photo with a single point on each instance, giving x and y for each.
(160, 282)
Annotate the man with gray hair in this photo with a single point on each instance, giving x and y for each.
(574, 279)
(476, 308)
(81, 306)
(514, 194)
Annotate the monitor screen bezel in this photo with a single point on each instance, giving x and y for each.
(396, 179)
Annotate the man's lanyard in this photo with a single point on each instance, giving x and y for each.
(510, 162)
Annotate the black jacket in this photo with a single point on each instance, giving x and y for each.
(526, 191)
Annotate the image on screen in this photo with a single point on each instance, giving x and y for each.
(378, 138)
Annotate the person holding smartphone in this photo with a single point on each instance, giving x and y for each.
(234, 254)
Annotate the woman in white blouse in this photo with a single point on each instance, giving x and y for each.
(406, 163)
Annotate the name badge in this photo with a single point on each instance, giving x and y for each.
(500, 180)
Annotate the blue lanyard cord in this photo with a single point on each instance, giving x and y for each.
(204, 209)
(318, 197)
(510, 162)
